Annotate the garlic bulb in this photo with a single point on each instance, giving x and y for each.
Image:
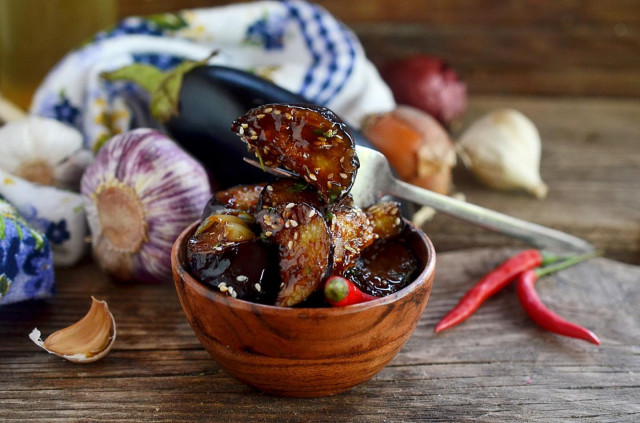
(140, 192)
(43, 151)
(41, 163)
(88, 340)
(502, 149)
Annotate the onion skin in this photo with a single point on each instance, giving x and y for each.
(161, 190)
(428, 83)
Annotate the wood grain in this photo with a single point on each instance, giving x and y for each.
(591, 163)
(545, 47)
(497, 366)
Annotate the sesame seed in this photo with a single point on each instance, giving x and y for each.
(394, 210)
(317, 169)
(294, 223)
(254, 137)
(223, 287)
(268, 110)
(342, 159)
(343, 176)
(287, 224)
(329, 183)
(257, 287)
(330, 176)
(242, 278)
(261, 115)
(290, 205)
(268, 233)
(288, 116)
(323, 139)
(234, 294)
(244, 125)
(338, 136)
(295, 235)
(269, 188)
(241, 130)
(312, 213)
(277, 112)
(397, 221)
(281, 285)
(290, 244)
(312, 177)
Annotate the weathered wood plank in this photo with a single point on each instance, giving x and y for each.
(591, 163)
(497, 366)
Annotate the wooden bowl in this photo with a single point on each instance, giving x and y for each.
(303, 352)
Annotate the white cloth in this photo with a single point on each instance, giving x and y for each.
(297, 45)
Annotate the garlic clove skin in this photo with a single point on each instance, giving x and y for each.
(43, 151)
(502, 149)
(88, 340)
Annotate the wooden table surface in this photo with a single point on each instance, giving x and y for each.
(497, 366)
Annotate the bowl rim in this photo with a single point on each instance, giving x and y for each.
(180, 270)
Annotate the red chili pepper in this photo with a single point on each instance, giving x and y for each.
(491, 283)
(540, 314)
(342, 292)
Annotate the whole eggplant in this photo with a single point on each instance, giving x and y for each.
(209, 99)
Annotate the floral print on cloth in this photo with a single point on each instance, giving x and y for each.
(50, 159)
(296, 44)
(26, 264)
(58, 214)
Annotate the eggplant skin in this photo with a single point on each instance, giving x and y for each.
(211, 98)
(249, 268)
(305, 249)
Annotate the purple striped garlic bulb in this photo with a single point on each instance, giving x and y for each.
(139, 193)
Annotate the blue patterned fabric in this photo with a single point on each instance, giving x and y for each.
(26, 262)
(296, 44)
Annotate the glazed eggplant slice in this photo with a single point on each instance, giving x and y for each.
(246, 270)
(384, 268)
(310, 141)
(243, 197)
(386, 219)
(351, 232)
(285, 191)
(304, 249)
(223, 252)
(240, 198)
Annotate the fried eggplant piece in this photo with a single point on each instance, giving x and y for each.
(242, 197)
(304, 249)
(351, 232)
(224, 253)
(384, 268)
(285, 191)
(386, 219)
(246, 270)
(310, 141)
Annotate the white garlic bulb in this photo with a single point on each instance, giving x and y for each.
(43, 151)
(502, 149)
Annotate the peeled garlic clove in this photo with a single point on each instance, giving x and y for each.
(88, 340)
(502, 149)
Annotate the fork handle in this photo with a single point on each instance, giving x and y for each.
(531, 233)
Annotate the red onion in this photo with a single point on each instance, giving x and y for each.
(427, 83)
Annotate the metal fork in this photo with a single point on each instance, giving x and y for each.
(375, 181)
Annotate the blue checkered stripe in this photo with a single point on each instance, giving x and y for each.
(332, 47)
